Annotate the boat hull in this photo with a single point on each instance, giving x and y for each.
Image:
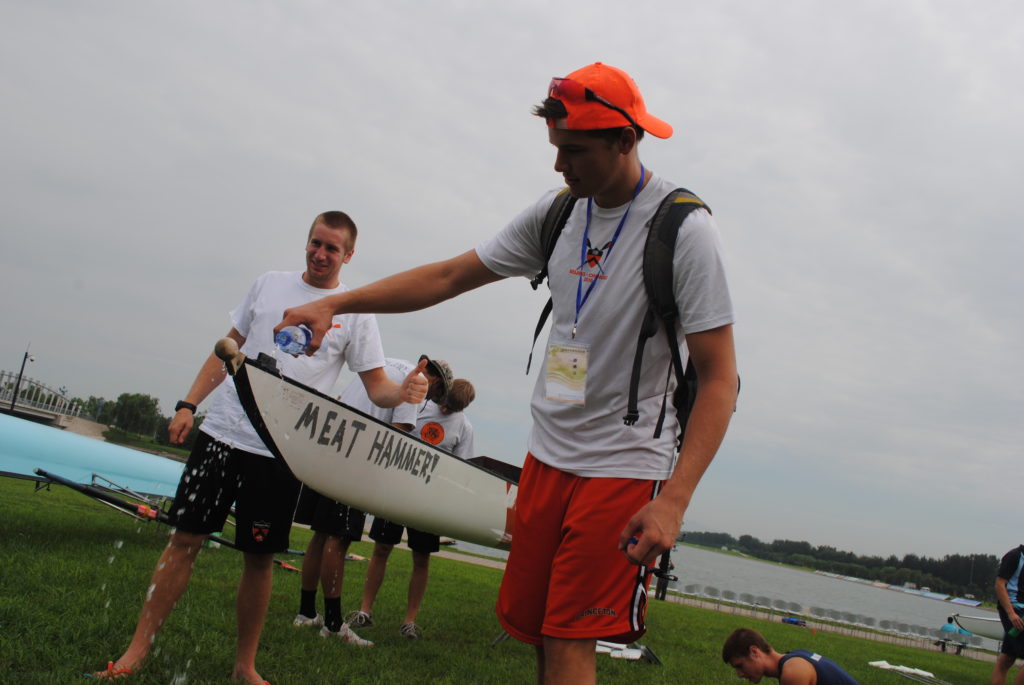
(356, 459)
(26, 446)
(986, 626)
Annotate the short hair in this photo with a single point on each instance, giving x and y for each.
(336, 219)
(460, 396)
(552, 108)
(740, 641)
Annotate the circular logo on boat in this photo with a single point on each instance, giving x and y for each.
(432, 432)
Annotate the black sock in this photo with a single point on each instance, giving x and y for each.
(332, 613)
(307, 603)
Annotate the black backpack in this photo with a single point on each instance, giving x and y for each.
(659, 250)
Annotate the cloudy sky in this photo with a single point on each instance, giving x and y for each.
(863, 161)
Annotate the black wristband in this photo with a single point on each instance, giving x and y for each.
(182, 404)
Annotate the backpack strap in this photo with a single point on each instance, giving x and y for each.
(659, 252)
(554, 222)
(551, 229)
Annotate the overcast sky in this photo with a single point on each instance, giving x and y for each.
(863, 161)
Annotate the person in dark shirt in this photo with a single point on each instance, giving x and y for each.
(1010, 593)
(753, 658)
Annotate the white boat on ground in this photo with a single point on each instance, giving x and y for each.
(986, 626)
(354, 458)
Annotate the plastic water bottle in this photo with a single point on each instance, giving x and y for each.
(1013, 632)
(293, 339)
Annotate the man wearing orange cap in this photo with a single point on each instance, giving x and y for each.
(598, 500)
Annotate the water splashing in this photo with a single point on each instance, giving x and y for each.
(181, 678)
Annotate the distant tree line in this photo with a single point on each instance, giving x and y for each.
(135, 413)
(953, 574)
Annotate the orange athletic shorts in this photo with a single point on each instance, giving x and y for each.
(565, 577)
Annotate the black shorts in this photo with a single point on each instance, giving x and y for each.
(388, 533)
(1012, 646)
(262, 489)
(324, 515)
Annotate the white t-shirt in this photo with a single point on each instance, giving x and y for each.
(591, 439)
(354, 395)
(451, 432)
(356, 342)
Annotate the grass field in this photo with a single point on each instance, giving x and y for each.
(75, 573)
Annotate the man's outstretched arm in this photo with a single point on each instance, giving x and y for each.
(408, 291)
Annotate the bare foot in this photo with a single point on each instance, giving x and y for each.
(248, 675)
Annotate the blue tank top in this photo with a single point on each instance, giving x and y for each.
(829, 672)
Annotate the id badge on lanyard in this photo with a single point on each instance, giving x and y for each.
(566, 377)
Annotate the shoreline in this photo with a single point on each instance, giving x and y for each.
(926, 644)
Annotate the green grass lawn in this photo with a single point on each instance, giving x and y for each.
(75, 573)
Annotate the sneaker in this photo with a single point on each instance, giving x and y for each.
(346, 635)
(303, 621)
(410, 630)
(359, 619)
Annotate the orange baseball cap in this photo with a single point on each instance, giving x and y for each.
(602, 96)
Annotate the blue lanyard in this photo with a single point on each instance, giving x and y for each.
(581, 297)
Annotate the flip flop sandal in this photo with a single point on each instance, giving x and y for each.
(111, 673)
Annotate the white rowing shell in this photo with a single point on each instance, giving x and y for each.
(981, 625)
(356, 459)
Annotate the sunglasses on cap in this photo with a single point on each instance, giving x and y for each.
(572, 91)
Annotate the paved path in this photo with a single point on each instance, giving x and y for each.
(479, 561)
(89, 429)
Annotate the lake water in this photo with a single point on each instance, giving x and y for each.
(703, 571)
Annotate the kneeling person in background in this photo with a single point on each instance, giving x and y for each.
(753, 658)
